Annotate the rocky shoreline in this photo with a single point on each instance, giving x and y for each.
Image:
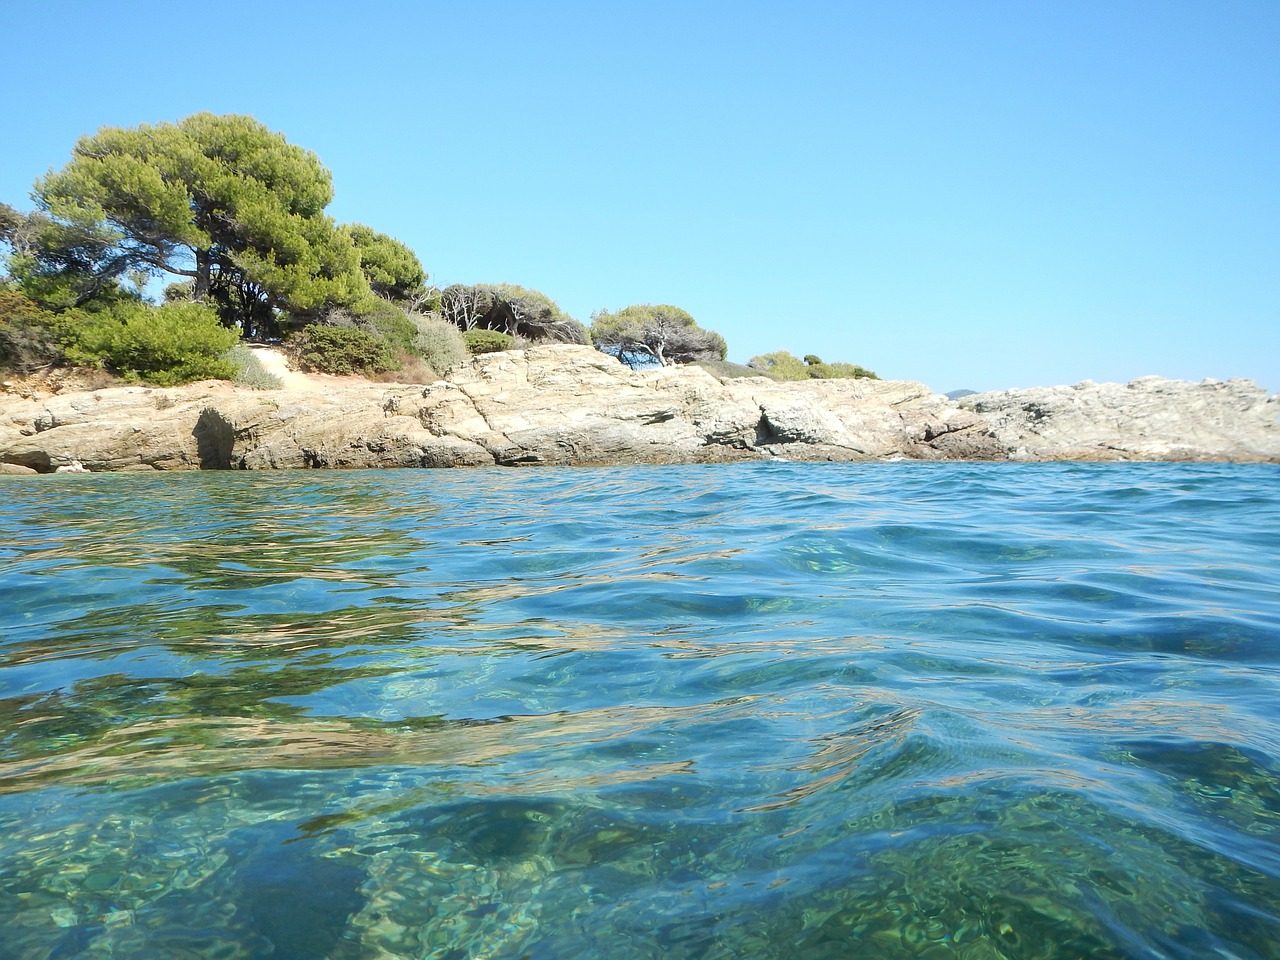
(573, 405)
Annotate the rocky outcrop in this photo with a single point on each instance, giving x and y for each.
(573, 405)
(547, 405)
(1148, 419)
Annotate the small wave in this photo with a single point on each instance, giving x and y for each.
(766, 710)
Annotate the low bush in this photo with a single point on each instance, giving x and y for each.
(29, 334)
(839, 371)
(784, 366)
(486, 341)
(249, 371)
(779, 365)
(388, 322)
(168, 345)
(409, 368)
(439, 343)
(340, 350)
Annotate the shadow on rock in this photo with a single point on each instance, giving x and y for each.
(215, 437)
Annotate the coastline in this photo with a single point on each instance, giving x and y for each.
(572, 405)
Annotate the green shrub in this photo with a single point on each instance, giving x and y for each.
(388, 322)
(249, 371)
(486, 341)
(167, 345)
(438, 342)
(340, 350)
(839, 371)
(16, 307)
(29, 334)
(779, 365)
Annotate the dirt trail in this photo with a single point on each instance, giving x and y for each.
(275, 363)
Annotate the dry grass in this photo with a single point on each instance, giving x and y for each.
(412, 370)
(53, 380)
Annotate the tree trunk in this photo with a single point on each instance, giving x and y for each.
(200, 288)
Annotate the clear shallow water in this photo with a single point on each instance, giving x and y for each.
(767, 710)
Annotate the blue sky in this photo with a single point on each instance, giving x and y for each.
(971, 193)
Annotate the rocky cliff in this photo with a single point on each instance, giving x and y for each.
(573, 405)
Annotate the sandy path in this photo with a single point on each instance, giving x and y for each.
(275, 363)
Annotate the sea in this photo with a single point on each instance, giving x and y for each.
(760, 710)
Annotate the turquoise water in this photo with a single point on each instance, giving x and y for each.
(763, 710)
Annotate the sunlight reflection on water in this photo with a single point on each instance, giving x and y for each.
(804, 711)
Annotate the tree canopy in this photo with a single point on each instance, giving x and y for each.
(61, 264)
(393, 270)
(219, 199)
(236, 214)
(510, 309)
(649, 333)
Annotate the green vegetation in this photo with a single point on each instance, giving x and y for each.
(486, 341)
(645, 334)
(233, 215)
(781, 365)
(30, 336)
(166, 345)
(510, 309)
(384, 320)
(219, 199)
(249, 371)
(727, 370)
(392, 269)
(329, 349)
(840, 371)
(439, 343)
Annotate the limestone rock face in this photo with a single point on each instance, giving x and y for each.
(573, 404)
(566, 404)
(863, 419)
(558, 404)
(1148, 419)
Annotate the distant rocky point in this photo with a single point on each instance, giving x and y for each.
(567, 404)
(1150, 418)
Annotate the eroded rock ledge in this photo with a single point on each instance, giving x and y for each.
(573, 405)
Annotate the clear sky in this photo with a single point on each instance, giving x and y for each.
(971, 193)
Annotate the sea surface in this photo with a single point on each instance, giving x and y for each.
(770, 710)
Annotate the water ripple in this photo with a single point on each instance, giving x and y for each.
(766, 710)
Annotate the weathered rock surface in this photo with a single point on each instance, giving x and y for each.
(573, 405)
(1147, 419)
(547, 405)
